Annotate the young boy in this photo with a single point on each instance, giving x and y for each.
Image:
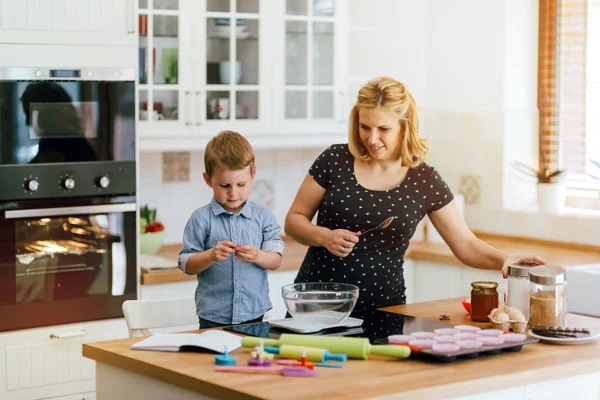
(231, 242)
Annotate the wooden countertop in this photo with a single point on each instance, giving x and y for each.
(561, 253)
(377, 376)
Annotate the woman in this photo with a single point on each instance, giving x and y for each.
(380, 173)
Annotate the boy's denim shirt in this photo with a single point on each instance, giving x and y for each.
(233, 290)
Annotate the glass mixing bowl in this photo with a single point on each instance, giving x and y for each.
(325, 303)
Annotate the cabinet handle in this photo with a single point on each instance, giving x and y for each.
(68, 335)
(198, 108)
(188, 108)
(130, 15)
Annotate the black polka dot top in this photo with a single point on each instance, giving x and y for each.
(375, 263)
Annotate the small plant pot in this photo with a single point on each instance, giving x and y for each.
(151, 242)
(551, 197)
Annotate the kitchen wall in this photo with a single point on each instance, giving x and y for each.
(472, 68)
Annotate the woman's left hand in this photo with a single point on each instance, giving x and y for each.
(521, 259)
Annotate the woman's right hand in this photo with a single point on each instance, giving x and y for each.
(340, 242)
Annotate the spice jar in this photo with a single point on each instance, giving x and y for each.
(518, 288)
(484, 298)
(548, 296)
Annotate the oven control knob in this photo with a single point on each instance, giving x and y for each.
(32, 185)
(69, 183)
(103, 181)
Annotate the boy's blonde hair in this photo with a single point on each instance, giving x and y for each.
(393, 95)
(228, 150)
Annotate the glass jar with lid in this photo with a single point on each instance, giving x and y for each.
(518, 288)
(484, 298)
(548, 296)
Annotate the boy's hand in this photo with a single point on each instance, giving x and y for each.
(222, 250)
(247, 253)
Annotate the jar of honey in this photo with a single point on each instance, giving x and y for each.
(484, 298)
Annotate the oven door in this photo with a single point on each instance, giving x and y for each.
(66, 264)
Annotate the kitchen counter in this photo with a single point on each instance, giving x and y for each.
(560, 253)
(123, 373)
(293, 255)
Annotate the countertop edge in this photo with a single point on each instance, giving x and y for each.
(166, 375)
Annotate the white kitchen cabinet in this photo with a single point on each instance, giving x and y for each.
(78, 396)
(436, 281)
(168, 290)
(582, 387)
(278, 279)
(69, 22)
(309, 67)
(409, 280)
(273, 70)
(47, 363)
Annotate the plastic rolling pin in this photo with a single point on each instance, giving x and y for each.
(353, 347)
(312, 353)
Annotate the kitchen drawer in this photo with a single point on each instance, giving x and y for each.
(79, 396)
(40, 366)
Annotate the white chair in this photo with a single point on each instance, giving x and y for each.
(143, 315)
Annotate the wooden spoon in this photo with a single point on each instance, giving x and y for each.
(384, 224)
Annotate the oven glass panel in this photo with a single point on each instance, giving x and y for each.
(61, 258)
(66, 121)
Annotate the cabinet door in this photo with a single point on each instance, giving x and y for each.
(437, 281)
(409, 280)
(45, 363)
(310, 67)
(231, 67)
(165, 91)
(69, 22)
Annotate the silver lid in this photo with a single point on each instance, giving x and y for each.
(548, 275)
(519, 270)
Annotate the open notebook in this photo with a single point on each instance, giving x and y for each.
(214, 340)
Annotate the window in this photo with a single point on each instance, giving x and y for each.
(569, 93)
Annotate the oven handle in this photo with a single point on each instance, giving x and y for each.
(50, 212)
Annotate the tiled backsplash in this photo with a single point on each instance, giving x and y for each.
(474, 151)
(278, 177)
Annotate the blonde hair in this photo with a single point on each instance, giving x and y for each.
(228, 150)
(393, 95)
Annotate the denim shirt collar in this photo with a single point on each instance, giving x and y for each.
(218, 209)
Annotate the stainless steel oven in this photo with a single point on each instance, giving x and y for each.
(68, 200)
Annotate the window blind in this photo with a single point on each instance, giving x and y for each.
(562, 84)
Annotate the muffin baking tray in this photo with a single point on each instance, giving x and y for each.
(446, 348)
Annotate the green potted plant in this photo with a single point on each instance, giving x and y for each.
(152, 232)
(551, 190)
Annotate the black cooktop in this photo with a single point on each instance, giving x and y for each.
(377, 325)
